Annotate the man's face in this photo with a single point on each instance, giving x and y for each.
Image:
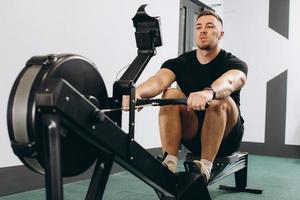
(209, 32)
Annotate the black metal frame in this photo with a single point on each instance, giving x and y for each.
(112, 143)
(107, 136)
(52, 151)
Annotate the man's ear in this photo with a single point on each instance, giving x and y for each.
(221, 35)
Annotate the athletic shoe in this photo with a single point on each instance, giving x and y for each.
(170, 165)
(203, 170)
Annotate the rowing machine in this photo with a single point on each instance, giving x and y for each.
(57, 128)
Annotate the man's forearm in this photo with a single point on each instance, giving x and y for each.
(222, 89)
(228, 83)
(150, 88)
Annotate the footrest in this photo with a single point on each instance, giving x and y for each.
(235, 189)
(236, 164)
(222, 166)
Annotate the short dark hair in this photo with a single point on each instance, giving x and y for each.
(210, 12)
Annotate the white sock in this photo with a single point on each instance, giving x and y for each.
(207, 163)
(171, 158)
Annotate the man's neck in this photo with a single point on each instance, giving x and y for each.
(205, 56)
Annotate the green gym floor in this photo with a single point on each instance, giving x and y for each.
(278, 177)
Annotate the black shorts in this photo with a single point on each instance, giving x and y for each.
(229, 144)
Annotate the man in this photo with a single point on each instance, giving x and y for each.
(206, 76)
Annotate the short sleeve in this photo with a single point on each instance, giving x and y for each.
(235, 63)
(172, 64)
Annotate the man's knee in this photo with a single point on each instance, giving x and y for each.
(172, 93)
(226, 108)
(226, 105)
(217, 106)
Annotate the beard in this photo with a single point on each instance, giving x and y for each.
(207, 46)
(204, 47)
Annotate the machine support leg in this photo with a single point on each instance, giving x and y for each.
(241, 176)
(100, 177)
(241, 181)
(53, 179)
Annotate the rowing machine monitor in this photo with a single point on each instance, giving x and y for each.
(147, 32)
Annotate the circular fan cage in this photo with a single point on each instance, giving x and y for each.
(24, 122)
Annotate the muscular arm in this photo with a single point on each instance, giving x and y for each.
(229, 82)
(156, 83)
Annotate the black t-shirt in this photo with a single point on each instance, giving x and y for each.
(193, 76)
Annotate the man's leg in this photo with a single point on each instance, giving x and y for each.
(173, 119)
(220, 118)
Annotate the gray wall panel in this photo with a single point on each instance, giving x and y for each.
(276, 110)
(279, 16)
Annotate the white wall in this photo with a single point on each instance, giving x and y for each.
(102, 32)
(292, 63)
(217, 5)
(268, 54)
